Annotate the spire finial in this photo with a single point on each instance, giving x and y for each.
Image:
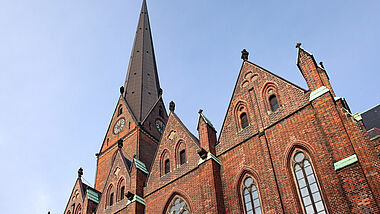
(171, 106)
(298, 45)
(244, 54)
(122, 90)
(321, 64)
(80, 172)
(200, 111)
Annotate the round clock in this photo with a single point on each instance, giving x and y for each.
(119, 126)
(160, 126)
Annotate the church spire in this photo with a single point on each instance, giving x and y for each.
(142, 88)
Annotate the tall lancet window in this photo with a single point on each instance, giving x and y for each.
(250, 196)
(308, 188)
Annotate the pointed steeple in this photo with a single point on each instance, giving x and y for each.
(142, 88)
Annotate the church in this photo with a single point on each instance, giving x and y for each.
(281, 148)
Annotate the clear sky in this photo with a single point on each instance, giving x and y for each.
(62, 63)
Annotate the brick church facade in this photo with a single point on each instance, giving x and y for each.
(281, 148)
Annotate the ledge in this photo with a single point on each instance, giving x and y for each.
(209, 156)
(138, 199)
(357, 116)
(318, 92)
(140, 165)
(345, 162)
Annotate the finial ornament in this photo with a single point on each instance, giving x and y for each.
(122, 90)
(171, 106)
(200, 111)
(120, 143)
(80, 172)
(298, 45)
(244, 55)
(321, 64)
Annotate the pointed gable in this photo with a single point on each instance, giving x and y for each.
(260, 99)
(118, 177)
(77, 197)
(176, 138)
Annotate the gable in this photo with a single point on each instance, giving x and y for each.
(176, 137)
(254, 88)
(118, 176)
(127, 126)
(157, 113)
(76, 197)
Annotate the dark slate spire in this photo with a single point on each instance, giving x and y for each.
(142, 88)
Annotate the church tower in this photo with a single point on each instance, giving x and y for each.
(140, 115)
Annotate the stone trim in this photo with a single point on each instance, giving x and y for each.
(138, 199)
(140, 165)
(345, 162)
(209, 156)
(318, 92)
(357, 116)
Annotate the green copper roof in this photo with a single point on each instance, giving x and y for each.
(140, 165)
(92, 195)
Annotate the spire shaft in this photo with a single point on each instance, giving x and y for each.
(142, 88)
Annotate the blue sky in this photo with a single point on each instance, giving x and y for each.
(62, 63)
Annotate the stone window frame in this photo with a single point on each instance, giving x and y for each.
(121, 183)
(271, 89)
(165, 155)
(181, 145)
(240, 108)
(292, 163)
(241, 188)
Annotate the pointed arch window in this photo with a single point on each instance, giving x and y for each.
(79, 209)
(307, 184)
(250, 195)
(165, 163)
(178, 206)
(110, 196)
(180, 153)
(243, 120)
(121, 189)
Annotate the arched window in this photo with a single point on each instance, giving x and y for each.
(120, 189)
(271, 96)
(165, 162)
(110, 196)
(167, 166)
(180, 153)
(120, 111)
(243, 120)
(250, 196)
(241, 115)
(308, 188)
(178, 206)
(273, 102)
(79, 209)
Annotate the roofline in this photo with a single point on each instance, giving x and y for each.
(370, 109)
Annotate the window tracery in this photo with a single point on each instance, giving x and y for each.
(308, 188)
(250, 195)
(178, 206)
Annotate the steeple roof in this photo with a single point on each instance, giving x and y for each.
(142, 88)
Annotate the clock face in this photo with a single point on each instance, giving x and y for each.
(119, 126)
(160, 126)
